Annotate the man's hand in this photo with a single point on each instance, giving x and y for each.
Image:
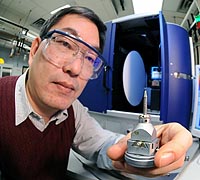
(175, 140)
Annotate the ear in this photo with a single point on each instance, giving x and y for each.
(34, 47)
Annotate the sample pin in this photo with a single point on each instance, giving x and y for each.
(143, 143)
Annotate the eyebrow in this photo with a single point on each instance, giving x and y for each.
(75, 33)
(71, 31)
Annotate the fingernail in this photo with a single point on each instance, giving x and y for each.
(166, 159)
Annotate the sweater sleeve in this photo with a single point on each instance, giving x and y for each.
(91, 140)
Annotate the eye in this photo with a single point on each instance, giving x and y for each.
(90, 59)
(64, 42)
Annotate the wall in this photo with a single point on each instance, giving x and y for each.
(16, 62)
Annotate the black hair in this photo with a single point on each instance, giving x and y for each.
(82, 11)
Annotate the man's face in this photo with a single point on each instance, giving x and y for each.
(51, 88)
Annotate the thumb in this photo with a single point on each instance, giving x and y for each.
(116, 151)
(169, 153)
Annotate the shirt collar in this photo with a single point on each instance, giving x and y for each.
(23, 108)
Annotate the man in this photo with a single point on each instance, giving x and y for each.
(41, 118)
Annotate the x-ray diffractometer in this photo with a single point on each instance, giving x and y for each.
(165, 52)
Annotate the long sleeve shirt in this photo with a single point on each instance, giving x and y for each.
(91, 140)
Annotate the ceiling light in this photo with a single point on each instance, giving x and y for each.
(58, 9)
(144, 6)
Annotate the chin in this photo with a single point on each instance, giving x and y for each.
(63, 106)
(58, 104)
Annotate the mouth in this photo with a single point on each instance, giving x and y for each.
(65, 87)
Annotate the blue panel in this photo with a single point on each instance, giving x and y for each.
(165, 68)
(97, 94)
(180, 89)
(108, 54)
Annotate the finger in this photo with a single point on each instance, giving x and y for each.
(174, 131)
(169, 153)
(165, 170)
(173, 146)
(116, 151)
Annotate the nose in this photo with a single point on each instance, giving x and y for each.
(74, 67)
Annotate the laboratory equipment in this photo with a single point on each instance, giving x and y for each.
(160, 44)
(195, 128)
(143, 143)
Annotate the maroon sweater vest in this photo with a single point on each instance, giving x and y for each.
(27, 153)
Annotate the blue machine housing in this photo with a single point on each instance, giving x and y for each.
(161, 45)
